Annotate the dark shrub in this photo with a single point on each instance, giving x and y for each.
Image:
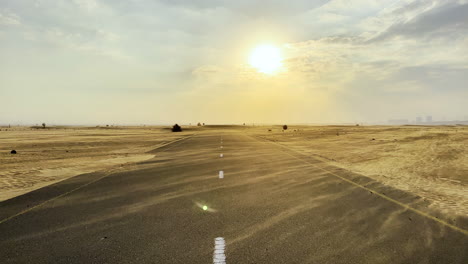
(285, 127)
(176, 128)
(13, 152)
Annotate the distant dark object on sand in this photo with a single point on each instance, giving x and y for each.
(13, 152)
(176, 128)
(285, 127)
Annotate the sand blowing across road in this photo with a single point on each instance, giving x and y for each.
(46, 156)
(431, 162)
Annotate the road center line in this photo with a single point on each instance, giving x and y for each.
(218, 255)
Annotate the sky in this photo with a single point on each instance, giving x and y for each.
(187, 61)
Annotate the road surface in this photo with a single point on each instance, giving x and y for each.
(272, 205)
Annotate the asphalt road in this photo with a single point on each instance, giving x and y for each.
(273, 205)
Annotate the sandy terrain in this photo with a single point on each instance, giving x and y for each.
(431, 162)
(270, 207)
(46, 156)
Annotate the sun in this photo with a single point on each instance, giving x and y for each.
(266, 59)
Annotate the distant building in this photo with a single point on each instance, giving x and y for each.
(419, 119)
(428, 119)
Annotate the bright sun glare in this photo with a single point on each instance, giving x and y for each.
(266, 59)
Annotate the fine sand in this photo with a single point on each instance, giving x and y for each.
(46, 156)
(431, 162)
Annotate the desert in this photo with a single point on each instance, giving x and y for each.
(305, 194)
(428, 161)
(46, 156)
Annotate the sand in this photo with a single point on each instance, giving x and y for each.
(46, 156)
(429, 161)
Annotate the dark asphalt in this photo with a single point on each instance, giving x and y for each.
(274, 205)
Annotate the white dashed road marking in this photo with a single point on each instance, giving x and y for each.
(218, 255)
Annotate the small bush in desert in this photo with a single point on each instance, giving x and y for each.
(176, 128)
(285, 127)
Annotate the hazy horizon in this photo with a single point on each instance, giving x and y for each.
(164, 62)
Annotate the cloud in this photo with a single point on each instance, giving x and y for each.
(9, 19)
(206, 70)
(272, 8)
(87, 5)
(385, 56)
(445, 21)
